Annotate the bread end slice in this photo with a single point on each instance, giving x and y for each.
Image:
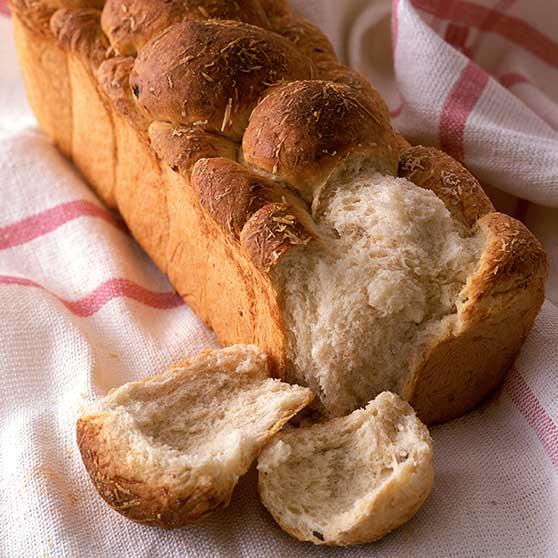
(349, 480)
(167, 450)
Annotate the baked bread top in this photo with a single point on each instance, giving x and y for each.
(201, 73)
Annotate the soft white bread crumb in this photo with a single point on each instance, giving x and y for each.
(171, 448)
(363, 306)
(350, 480)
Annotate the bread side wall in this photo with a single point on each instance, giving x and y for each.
(160, 208)
(47, 83)
(498, 307)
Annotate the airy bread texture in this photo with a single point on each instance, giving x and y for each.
(350, 480)
(170, 449)
(233, 143)
(364, 306)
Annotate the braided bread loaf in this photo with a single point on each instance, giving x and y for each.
(264, 178)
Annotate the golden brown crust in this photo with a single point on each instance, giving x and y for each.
(244, 194)
(512, 263)
(402, 143)
(36, 14)
(56, 4)
(275, 8)
(130, 24)
(214, 276)
(334, 71)
(499, 305)
(113, 76)
(307, 37)
(55, 117)
(125, 490)
(212, 73)
(273, 231)
(461, 192)
(77, 30)
(181, 147)
(302, 130)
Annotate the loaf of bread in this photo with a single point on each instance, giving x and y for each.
(349, 480)
(167, 450)
(264, 178)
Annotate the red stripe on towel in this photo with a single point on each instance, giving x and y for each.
(104, 293)
(458, 106)
(49, 220)
(529, 406)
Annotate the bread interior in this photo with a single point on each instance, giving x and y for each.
(324, 479)
(363, 305)
(215, 412)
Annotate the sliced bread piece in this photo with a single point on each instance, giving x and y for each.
(349, 480)
(169, 449)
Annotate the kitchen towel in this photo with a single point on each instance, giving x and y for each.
(82, 309)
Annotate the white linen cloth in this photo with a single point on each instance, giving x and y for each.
(82, 309)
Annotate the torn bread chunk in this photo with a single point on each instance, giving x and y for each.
(349, 480)
(364, 309)
(170, 449)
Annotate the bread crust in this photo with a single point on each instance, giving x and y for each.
(42, 64)
(128, 144)
(460, 191)
(498, 306)
(212, 73)
(124, 490)
(301, 131)
(144, 19)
